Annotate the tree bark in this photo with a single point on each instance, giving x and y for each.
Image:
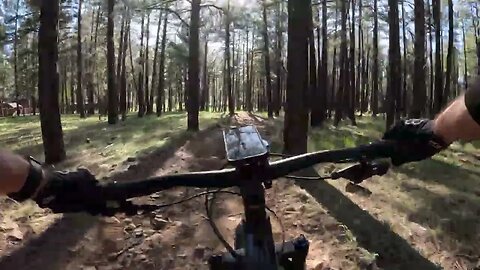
(161, 73)
(228, 75)
(278, 93)
(112, 88)
(374, 102)
(313, 95)
(465, 74)
(419, 90)
(154, 83)
(439, 97)
(193, 67)
(120, 48)
(266, 54)
(52, 134)
(342, 96)
(430, 37)
(72, 88)
(248, 95)
(476, 30)
(394, 63)
(296, 112)
(352, 90)
(324, 85)
(141, 93)
(148, 106)
(80, 105)
(123, 72)
(205, 93)
(15, 59)
(403, 98)
(450, 56)
(91, 65)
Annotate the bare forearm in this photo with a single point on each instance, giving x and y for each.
(13, 172)
(456, 122)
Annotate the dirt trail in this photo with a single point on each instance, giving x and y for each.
(179, 236)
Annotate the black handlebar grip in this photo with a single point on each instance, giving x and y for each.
(379, 149)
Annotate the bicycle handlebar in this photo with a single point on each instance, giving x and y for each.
(231, 177)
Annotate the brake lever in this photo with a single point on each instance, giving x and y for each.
(357, 173)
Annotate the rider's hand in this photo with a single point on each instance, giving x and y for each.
(67, 192)
(415, 139)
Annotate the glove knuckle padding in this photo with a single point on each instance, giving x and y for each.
(71, 192)
(416, 140)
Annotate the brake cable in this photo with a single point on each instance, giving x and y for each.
(130, 208)
(209, 207)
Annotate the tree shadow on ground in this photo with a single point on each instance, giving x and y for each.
(453, 219)
(53, 248)
(452, 176)
(453, 216)
(393, 251)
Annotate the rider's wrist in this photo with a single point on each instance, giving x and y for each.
(441, 130)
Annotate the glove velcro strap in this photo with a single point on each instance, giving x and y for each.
(34, 178)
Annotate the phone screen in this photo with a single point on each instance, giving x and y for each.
(243, 143)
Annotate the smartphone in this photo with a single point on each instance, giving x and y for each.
(243, 144)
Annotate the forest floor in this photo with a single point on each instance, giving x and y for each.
(420, 216)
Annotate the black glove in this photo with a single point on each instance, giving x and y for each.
(415, 141)
(68, 192)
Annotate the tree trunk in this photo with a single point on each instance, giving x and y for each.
(439, 97)
(430, 36)
(148, 106)
(477, 34)
(141, 94)
(266, 54)
(80, 105)
(394, 63)
(228, 75)
(324, 89)
(403, 98)
(465, 74)
(154, 83)
(334, 91)
(248, 95)
(278, 92)
(112, 88)
(72, 88)
(352, 90)
(296, 111)
(15, 59)
(193, 67)
(91, 66)
(205, 92)
(52, 134)
(419, 90)
(120, 48)
(342, 95)
(123, 72)
(313, 96)
(374, 102)
(361, 59)
(450, 56)
(161, 73)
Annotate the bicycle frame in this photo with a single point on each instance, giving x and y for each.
(259, 251)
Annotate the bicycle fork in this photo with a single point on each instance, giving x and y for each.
(257, 250)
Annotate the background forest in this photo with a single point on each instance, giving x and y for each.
(401, 58)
